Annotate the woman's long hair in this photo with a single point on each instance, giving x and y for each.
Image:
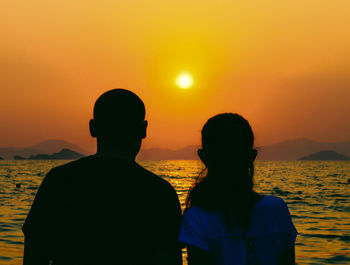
(228, 153)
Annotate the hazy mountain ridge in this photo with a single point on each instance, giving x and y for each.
(45, 147)
(286, 150)
(186, 153)
(295, 149)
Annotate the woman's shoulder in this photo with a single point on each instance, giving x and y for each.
(195, 211)
(199, 215)
(270, 209)
(271, 202)
(271, 214)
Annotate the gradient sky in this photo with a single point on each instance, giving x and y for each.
(284, 65)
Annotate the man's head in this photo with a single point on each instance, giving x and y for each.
(119, 119)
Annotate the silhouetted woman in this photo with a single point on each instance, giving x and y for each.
(225, 221)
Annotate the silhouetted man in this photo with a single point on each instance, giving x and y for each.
(105, 208)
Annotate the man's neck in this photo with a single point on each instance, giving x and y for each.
(115, 153)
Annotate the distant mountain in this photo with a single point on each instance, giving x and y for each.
(295, 149)
(51, 146)
(45, 147)
(1, 158)
(64, 154)
(326, 155)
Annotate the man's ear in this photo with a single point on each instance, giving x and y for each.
(254, 154)
(144, 129)
(202, 155)
(92, 126)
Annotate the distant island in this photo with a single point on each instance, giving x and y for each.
(297, 148)
(16, 157)
(45, 147)
(325, 155)
(64, 154)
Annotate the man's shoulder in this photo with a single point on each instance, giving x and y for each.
(71, 166)
(122, 171)
(59, 174)
(154, 179)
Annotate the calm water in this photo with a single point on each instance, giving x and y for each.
(316, 192)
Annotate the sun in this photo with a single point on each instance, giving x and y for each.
(184, 80)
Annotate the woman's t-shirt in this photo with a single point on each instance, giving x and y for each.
(271, 232)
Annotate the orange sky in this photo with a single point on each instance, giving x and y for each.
(284, 65)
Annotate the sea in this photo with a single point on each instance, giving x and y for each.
(317, 194)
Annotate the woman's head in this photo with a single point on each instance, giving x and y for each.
(227, 139)
(228, 154)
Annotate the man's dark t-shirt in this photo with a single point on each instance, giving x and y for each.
(97, 210)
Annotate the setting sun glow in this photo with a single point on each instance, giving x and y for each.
(257, 59)
(184, 81)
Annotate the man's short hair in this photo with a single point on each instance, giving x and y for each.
(118, 111)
